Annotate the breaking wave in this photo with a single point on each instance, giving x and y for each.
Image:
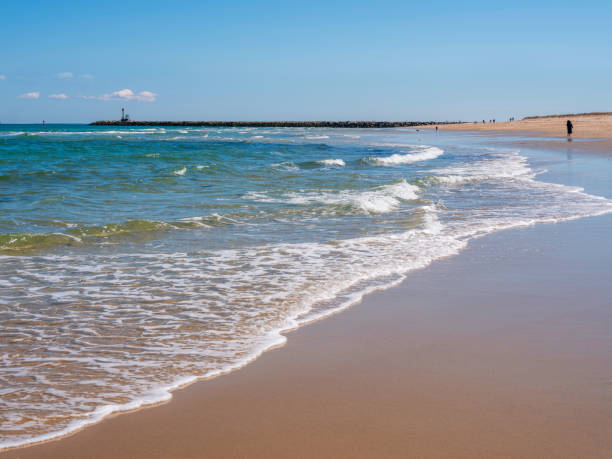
(421, 154)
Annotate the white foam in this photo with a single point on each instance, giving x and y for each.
(332, 162)
(11, 133)
(423, 154)
(377, 200)
(180, 171)
(509, 165)
(286, 165)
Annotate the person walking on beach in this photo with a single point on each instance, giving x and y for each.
(570, 128)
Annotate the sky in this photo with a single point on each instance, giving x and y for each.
(81, 61)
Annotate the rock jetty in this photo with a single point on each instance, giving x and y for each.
(309, 124)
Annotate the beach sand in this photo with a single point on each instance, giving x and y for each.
(593, 126)
(502, 351)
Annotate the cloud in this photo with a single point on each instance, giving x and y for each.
(30, 95)
(126, 94)
(2, 77)
(58, 96)
(64, 75)
(86, 76)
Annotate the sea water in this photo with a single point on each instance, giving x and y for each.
(135, 260)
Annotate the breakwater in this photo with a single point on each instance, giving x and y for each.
(309, 124)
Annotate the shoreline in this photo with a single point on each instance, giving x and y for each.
(282, 344)
(315, 347)
(167, 392)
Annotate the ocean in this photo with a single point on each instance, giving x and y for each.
(137, 260)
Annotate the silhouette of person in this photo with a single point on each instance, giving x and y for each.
(570, 128)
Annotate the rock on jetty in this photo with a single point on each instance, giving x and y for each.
(310, 124)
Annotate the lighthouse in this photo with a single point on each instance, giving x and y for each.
(123, 114)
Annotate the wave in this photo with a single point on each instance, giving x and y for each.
(100, 132)
(286, 166)
(210, 220)
(12, 133)
(316, 164)
(510, 165)
(25, 243)
(423, 154)
(377, 200)
(332, 162)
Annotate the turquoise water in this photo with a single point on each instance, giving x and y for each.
(134, 260)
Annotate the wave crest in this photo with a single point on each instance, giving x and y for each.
(378, 200)
(423, 154)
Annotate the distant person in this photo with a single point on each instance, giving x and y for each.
(436, 128)
(570, 128)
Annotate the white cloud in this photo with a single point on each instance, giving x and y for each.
(86, 76)
(126, 94)
(58, 96)
(2, 77)
(64, 75)
(30, 95)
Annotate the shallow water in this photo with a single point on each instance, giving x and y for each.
(133, 260)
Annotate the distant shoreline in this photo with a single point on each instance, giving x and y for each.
(313, 124)
(586, 126)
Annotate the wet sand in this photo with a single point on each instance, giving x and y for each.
(502, 351)
(591, 126)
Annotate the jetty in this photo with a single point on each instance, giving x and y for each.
(273, 124)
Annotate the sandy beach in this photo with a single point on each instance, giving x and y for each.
(502, 351)
(589, 125)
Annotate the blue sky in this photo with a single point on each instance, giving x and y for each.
(264, 60)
